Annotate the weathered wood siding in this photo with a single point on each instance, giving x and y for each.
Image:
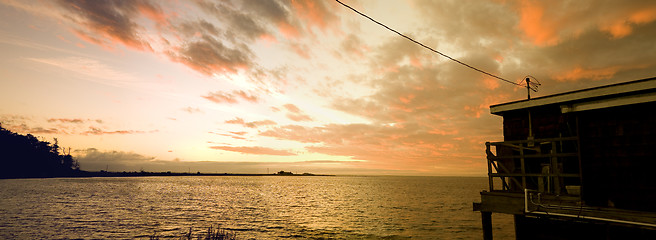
(618, 151)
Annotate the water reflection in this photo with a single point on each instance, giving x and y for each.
(254, 207)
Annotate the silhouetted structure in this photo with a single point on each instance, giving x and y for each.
(25, 156)
(283, 173)
(576, 165)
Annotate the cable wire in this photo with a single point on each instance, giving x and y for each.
(427, 47)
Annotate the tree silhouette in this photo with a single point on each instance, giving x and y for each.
(25, 156)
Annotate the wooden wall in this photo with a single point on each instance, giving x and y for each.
(618, 151)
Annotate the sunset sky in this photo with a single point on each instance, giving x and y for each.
(301, 86)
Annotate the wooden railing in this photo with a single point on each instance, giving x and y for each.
(546, 165)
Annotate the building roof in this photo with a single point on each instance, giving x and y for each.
(633, 92)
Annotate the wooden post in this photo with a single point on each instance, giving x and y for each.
(489, 167)
(523, 167)
(519, 227)
(555, 169)
(486, 218)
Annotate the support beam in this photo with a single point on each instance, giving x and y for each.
(486, 218)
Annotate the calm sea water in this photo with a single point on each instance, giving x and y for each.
(271, 207)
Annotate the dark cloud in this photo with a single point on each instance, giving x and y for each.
(199, 27)
(113, 20)
(94, 159)
(208, 55)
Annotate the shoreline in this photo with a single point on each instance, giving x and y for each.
(84, 174)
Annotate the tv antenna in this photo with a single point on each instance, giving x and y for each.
(531, 84)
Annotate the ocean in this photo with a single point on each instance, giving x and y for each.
(254, 207)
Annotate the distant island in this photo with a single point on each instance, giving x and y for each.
(25, 156)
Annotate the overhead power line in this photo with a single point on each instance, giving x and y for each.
(427, 47)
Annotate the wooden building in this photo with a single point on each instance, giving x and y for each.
(576, 165)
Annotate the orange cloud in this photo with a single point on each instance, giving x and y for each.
(491, 83)
(154, 13)
(541, 31)
(246, 96)
(295, 113)
(579, 72)
(623, 26)
(253, 124)
(223, 97)
(315, 13)
(219, 97)
(255, 150)
(301, 50)
(233, 135)
(407, 99)
(292, 108)
(235, 121)
(287, 30)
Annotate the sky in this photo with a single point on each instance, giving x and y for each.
(257, 86)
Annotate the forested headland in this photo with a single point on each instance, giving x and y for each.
(25, 156)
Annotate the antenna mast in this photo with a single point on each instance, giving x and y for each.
(531, 84)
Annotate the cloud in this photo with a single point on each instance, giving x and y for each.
(225, 97)
(232, 134)
(255, 150)
(192, 110)
(316, 13)
(353, 46)
(417, 118)
(66, 120)
(209, 56)
(74, 120)
(92, 70)
(253, 124)
(94, 159)
(221, 97)
(111, 20)
(99, 131)
(23, 128)
(19, 124)
(295, 114)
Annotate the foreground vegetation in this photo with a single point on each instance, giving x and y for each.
(211, 234)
